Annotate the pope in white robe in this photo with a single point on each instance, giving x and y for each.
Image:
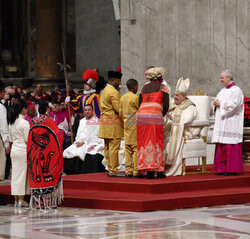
(181, 111)
(228, 127)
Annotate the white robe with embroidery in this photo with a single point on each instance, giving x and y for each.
(229, 117)
(188, 115)
(88, 133)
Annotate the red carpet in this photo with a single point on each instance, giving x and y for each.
(129, 194)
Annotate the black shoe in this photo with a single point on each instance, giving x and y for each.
(128, 175)
(150, 175)
(231, 173)
(139, 176)
(220, 173)
(161, 175)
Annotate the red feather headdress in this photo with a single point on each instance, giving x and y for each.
(90, 74)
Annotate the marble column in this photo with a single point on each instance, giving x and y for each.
(48, 44)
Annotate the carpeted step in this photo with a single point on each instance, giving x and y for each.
(101, 182)
(102, 192)
(147, 202)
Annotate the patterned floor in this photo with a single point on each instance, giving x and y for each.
(222, 222)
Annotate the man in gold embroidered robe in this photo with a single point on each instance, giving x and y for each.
(111, 125)
(181, 111)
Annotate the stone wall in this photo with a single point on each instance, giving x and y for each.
(191, 38)
(97, 36)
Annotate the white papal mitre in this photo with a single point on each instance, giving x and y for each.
(182, 86)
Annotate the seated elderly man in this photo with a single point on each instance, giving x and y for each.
(85, 155)
(181, 111)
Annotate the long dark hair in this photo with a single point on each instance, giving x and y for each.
(16, 109)
(42, 107)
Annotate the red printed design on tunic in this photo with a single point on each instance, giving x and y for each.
(150, 133)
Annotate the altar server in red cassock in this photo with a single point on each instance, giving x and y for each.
(228, 127)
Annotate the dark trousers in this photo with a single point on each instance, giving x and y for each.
(91, 164)
(8, 166)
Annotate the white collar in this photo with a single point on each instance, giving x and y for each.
(111, 86)
(88, 92)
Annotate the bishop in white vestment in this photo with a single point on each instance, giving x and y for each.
(228, 127)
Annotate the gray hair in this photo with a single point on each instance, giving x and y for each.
(228, 73)
(8, 87)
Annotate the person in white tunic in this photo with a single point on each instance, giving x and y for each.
(19, 130)
(228, 127)
(4, 135)
(87, 141)
(181, 111)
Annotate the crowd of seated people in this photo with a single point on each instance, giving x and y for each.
(66, 120)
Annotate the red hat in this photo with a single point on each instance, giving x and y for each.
(30, 105)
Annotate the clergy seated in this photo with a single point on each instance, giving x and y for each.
(185, 126)
(85, 155)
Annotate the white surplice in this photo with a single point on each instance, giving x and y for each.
(229, 117)
(88, 133)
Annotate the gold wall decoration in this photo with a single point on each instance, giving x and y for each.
(198, 91)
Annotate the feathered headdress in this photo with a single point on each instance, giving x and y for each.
(90, 77)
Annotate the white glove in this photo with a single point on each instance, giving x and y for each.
(67, 100)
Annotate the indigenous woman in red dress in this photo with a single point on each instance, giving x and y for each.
(154, 102)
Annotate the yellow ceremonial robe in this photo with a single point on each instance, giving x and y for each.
(129, 105)
(111, 126)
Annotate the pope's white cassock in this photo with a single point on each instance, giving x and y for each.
(174, 132)
(88, 133)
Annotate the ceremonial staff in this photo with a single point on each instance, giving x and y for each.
(64, 67)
